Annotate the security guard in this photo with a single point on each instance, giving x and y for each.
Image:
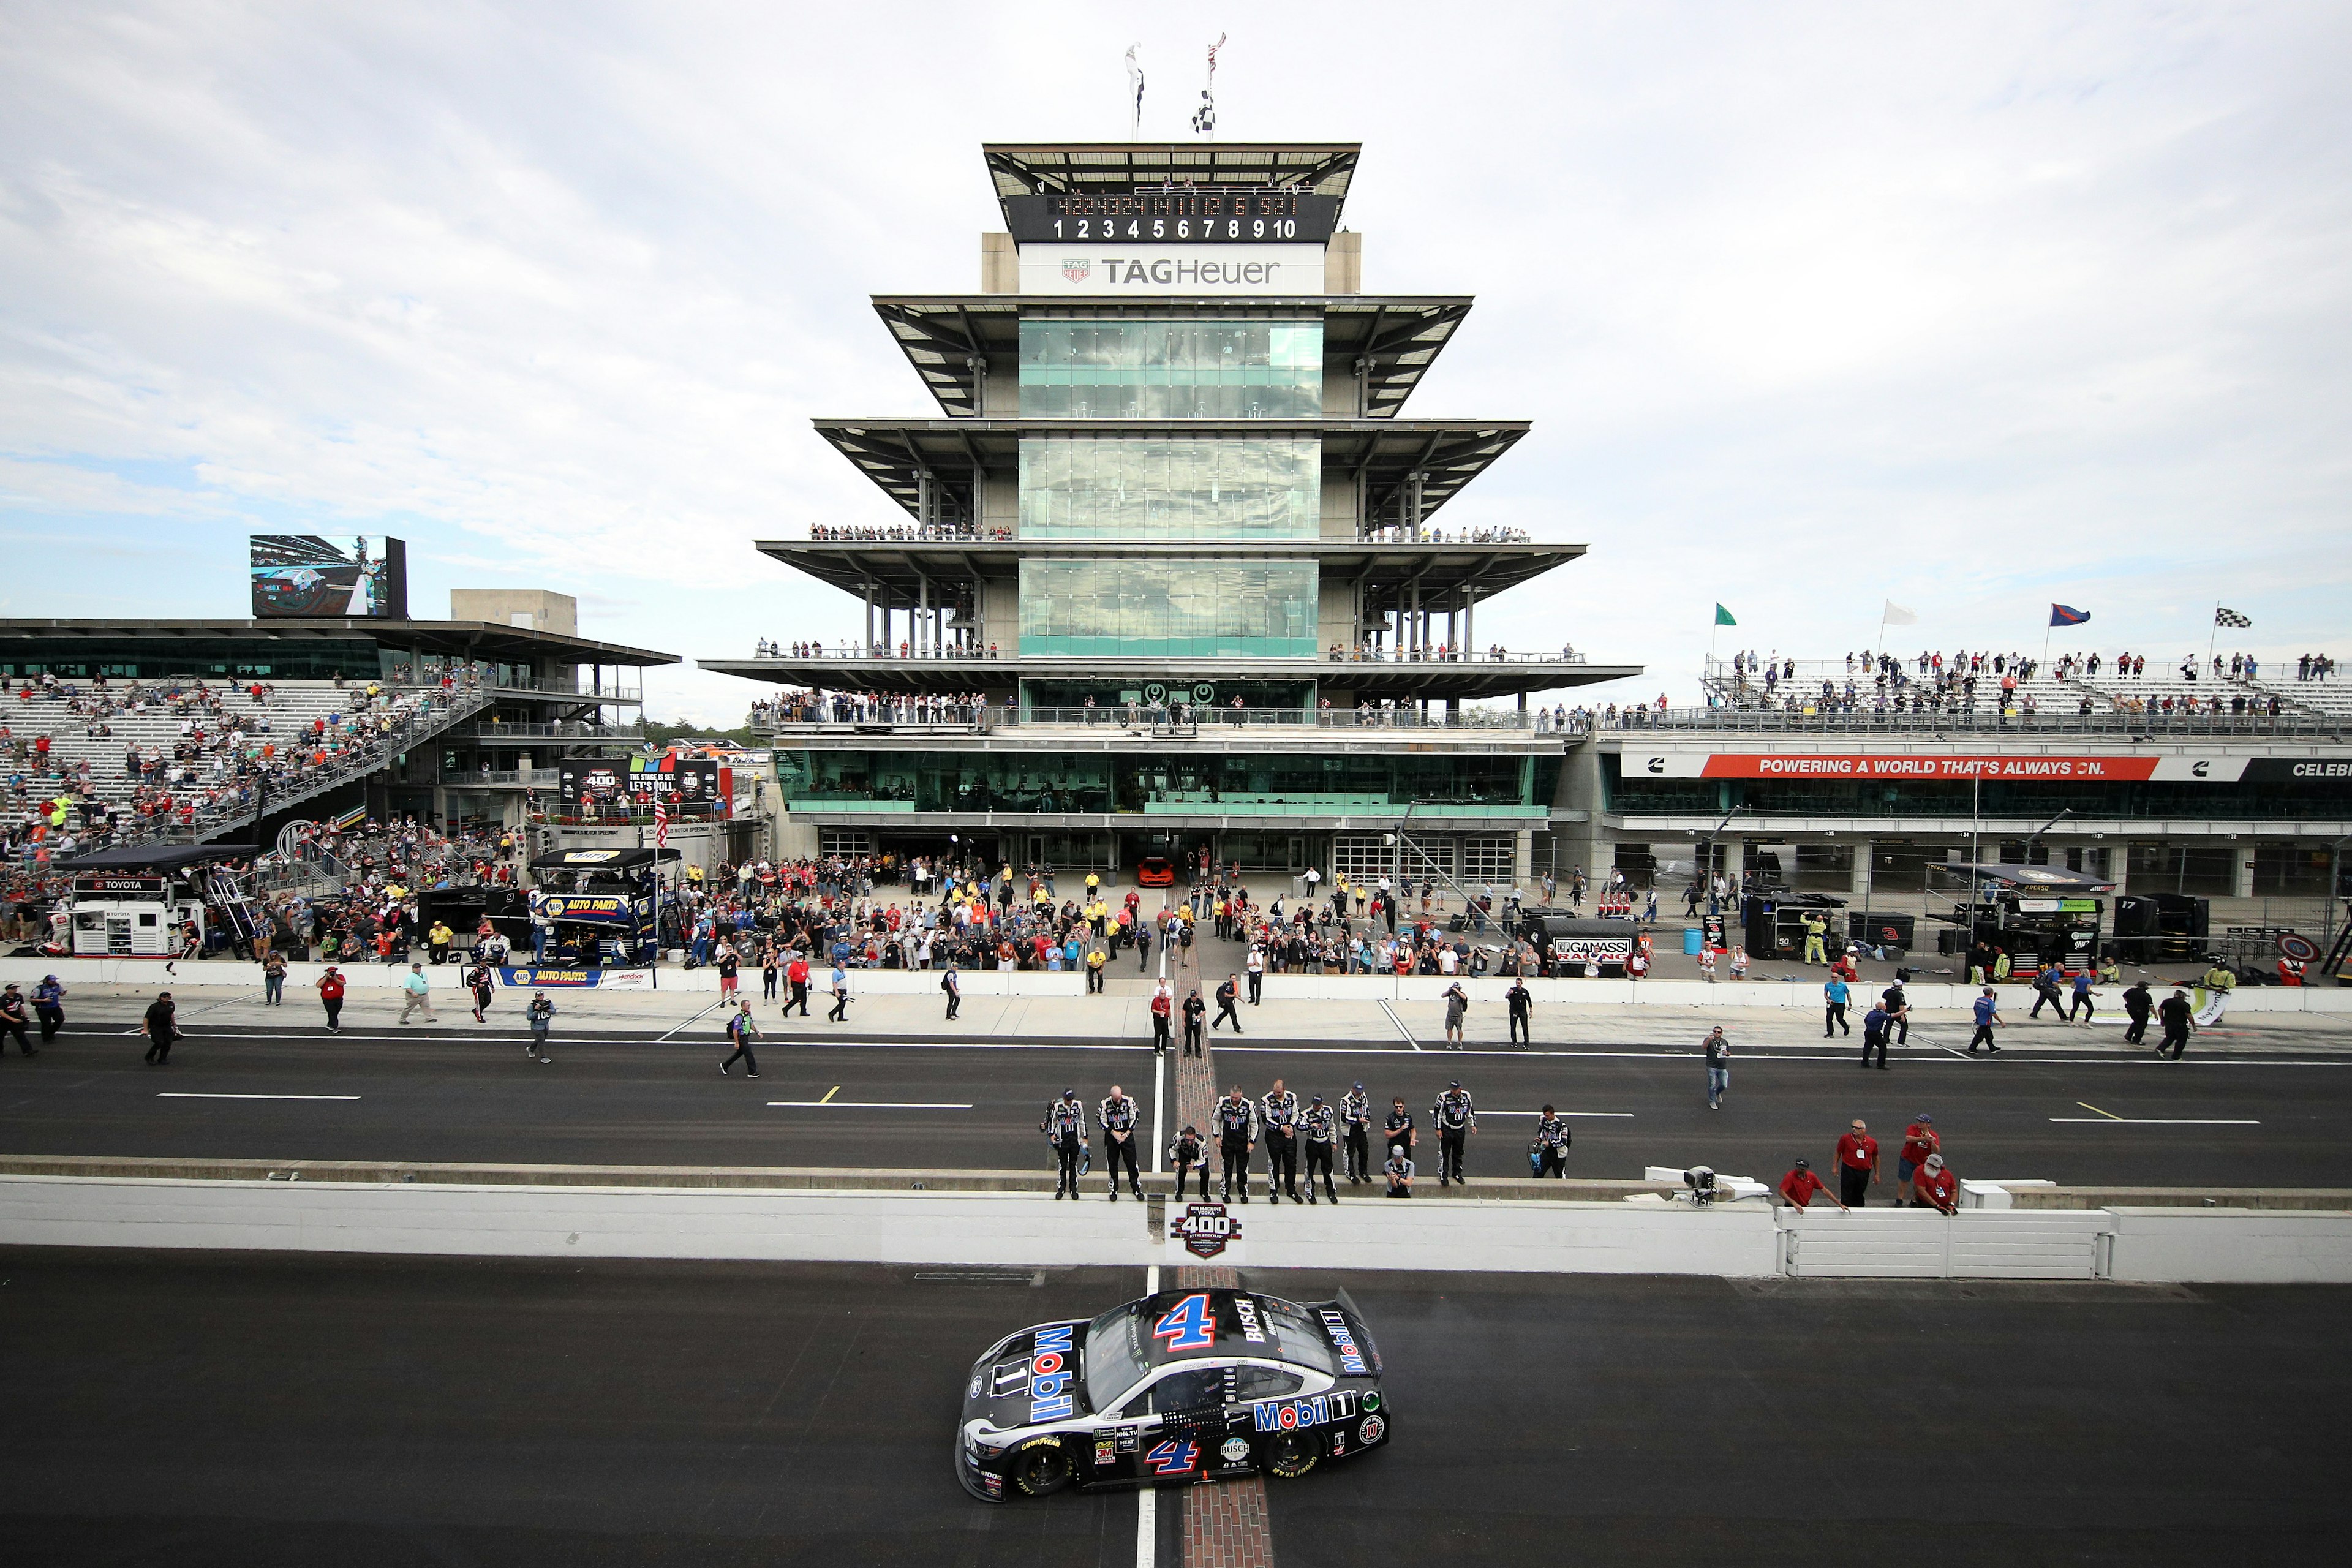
(1322, 1129)
(1064, 1128)
(1552, 1139)
(1235, 1123)
(1455, 1119)
(1194, 1011)
(1095, 961)
(1188, 1151)
(1278, 1112)
(1355, 1120)
(1116, 1117)
(1520, 999)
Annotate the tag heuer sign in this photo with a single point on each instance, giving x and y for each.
(1205, 1229)
(1076, 268)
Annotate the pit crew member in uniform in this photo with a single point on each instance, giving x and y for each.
(1226, 994)
(1195, 1010)
(1519, 999)
(1355, 1121)
(1116, 1116)
(1455, 1119)
(1236, 1130)
(1277, 1114)
(1186, 1154)
(1552, 1139)
(1322, 1132)
(1064, 1128)
(1399, 1170)
(1401, 1135)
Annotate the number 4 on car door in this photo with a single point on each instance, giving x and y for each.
(1176, 1456)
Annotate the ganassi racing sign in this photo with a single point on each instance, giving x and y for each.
(1204, 1230)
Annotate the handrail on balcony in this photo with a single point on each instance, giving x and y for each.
(854, 653)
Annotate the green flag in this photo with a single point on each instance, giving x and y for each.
(1723, 617)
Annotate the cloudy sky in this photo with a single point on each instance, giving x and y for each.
(1974, 306)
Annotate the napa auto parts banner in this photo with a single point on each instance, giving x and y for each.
(1901, 766)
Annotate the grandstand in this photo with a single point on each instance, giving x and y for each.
(494, 701)
(206, 749)
(2061, 687)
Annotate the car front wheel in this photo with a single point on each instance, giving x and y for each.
(1042, 1470)
(1291, 1455)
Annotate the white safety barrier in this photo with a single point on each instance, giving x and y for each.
(1824, 1242)
(1735, 1240)
(190, 974)
(2254, 1247)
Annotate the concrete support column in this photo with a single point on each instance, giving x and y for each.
(1523, 863)
(1860, 884)
(2245, 880)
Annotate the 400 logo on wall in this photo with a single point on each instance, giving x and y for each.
(529, 977)
(1205, 1230)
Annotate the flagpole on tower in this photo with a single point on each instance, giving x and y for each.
(2213, 633)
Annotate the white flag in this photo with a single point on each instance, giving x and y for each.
(1897, 616)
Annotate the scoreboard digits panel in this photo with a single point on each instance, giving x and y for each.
(1176, 217)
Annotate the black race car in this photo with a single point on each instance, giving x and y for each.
(1186, 1385)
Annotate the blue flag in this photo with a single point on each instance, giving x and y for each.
(2067, 616)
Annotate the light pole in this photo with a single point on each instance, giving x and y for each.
(2036, 836)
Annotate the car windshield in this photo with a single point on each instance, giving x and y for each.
(1300, 1337)
(1115, 1362)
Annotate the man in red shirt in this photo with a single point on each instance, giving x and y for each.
(1936, 1185)
(1799, 1184)
(1919, 1141)
(796, 974)
(1857, 1162)
(331, 996)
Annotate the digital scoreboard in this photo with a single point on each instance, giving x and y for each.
(1175, 218)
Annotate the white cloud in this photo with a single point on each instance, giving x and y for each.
(1978, 307)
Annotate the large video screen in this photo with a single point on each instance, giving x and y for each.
(317, 575)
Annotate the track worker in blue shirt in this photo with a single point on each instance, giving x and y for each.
(1837, 994)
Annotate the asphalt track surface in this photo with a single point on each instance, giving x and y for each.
(2227, 1116)
(266, 1411)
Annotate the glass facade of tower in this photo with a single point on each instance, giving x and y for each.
(1143, 488)
(1168, 609)
(1172, 370)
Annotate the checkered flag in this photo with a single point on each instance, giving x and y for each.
(2222, 618)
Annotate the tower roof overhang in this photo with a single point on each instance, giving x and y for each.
(903, 573)
(1398, 336)
(1118, 168)
(902, 455)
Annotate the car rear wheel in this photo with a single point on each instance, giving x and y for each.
(1290, 1456)
(1042, 1470)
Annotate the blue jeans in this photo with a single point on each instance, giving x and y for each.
(1718, 1080)
(273, 989)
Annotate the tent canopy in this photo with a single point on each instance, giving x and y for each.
(158, 856)
(2038, 878)
(604, 859)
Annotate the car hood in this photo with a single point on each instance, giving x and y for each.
(1030, 1378)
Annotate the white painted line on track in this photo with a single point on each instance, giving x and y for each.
(2153, 1121)
(1147, 1527)
(1158, 1102)
(722, 1001)
(189, 1094)
(829, 1104)
(1600, 1115)
(1400, 1026)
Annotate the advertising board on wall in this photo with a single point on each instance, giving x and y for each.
(1123, 269)
(1895, 765)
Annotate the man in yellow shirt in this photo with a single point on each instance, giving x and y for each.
(1095, 961)
(1816, 929)
(440, 937)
